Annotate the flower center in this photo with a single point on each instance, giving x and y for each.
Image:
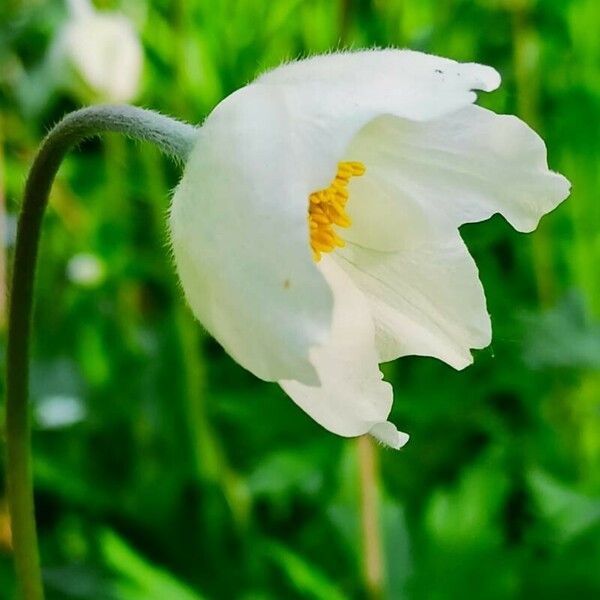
(327, 208)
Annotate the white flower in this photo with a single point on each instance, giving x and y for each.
(98, 54)
(58, 411)
(87, 270)
(388, 155)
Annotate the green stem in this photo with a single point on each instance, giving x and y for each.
(2, 236)
(372, 545)
(173, 138)
(526, 68)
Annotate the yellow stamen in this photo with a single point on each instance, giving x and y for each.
(327, 208)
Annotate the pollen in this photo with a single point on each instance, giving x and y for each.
(327, 208)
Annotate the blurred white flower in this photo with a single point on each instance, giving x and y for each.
(315, 229)
(86, 270)
(98, 54)
(54, 412)
(10, 230)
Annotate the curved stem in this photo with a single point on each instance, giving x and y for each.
(173, 138)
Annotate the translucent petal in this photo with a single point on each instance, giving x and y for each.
(425, 300)
(440, 174)
(352, 398)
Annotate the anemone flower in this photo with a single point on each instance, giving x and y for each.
(98, 54)
(315, 229)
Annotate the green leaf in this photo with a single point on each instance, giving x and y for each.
(569, 512)
(138, 578)
(305, 577)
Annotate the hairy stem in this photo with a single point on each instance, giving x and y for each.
(173, 138)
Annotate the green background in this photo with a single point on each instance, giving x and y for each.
(180, 476)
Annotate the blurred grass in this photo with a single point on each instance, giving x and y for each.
(182, 476)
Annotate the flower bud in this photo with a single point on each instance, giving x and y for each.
(98, 55)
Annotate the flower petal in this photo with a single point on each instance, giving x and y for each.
(422, 181)
(239, 215)
(425, 300)
(405, 83)
(105, 51)
(331, 97)
(387, 434)
(458, 169)
(352, 398)
(240, 236)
